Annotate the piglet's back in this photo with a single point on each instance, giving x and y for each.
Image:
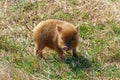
(48, 24)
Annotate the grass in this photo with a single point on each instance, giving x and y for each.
(98, 50)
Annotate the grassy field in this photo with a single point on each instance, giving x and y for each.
(99, 45)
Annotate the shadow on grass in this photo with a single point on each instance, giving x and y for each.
(78, 63)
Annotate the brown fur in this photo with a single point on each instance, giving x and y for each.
(53, 34)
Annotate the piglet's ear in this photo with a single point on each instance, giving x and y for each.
(59, 29)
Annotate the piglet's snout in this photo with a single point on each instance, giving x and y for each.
(65, 48)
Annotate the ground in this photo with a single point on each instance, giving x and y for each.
(99, 45)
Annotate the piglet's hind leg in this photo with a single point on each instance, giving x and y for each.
(38, 50)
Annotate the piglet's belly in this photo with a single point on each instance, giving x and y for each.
(50, 45)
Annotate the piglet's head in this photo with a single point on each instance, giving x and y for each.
(67, 36)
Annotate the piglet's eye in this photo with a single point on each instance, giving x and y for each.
(72, 38)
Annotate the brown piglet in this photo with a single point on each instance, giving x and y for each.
(57, 35)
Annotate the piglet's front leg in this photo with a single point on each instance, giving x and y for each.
(60, 54)
(74, 53)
